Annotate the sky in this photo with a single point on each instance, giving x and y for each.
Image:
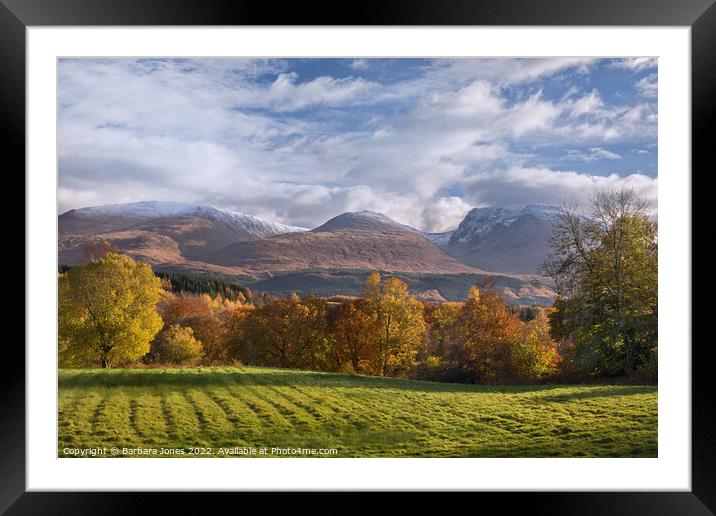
(300, 141)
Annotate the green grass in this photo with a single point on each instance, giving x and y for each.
(359, 416)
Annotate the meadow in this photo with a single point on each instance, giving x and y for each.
(229, 410)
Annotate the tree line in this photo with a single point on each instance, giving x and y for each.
(116, 312)
(384, 332)
(227, 289)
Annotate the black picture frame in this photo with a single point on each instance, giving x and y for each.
(700, 15)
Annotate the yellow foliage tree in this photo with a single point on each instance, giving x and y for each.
(107, 312)
(177, 345)
(535, 355)
(400, 322)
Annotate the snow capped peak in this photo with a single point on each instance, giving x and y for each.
(542, 210)
(142, 209)
(481, 221)
(148, 210)
(364, 219)
(373, 214)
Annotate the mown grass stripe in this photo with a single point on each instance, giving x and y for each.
(211, 417)
(267, 407)
(269, 415)
(290, 397)
(75, 424)
(149, 418)
(184, 424)
(296, 416)
(112, 421)
(361, 416)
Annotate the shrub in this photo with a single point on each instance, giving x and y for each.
(177, 345)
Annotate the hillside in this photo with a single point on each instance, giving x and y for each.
(430, 287)
(358, 416)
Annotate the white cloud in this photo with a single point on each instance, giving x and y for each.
(648, 86)
(534, 114)
(286, 95)
(233, 133)
(444, 213)
(590, 104)
(594, 154)
(509, 71)
(519, 186)
(360, 64)
(635, 64)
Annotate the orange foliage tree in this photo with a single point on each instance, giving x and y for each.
(290, 333)
(354, 336)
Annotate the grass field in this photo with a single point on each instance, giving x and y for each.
(242, 408)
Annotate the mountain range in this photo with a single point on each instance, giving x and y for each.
(505, 245)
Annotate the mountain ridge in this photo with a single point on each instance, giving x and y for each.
(206, 240)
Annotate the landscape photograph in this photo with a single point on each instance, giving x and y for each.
(357, 257)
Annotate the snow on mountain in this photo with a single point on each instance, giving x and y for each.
(545, 211)
(439, 239)
(144, 209)
(512, 240)
(481, 221)
(148, 210)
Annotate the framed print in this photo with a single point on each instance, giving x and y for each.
(426, 248)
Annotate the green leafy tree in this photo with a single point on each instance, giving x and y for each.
(605, 269)
(107, 312)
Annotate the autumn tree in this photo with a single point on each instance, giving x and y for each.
(107, 311)
(177, 345)
(290, 333)
(234, 318)
(175, 308)
(203, 314)
(399, 320)
(486, 333)
(536, 354)
(440, 320)
(355, 334)
(604, 265)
